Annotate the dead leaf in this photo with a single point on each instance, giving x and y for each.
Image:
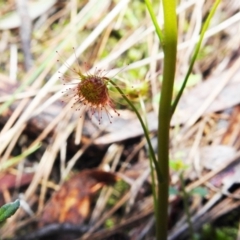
(71, 204)
(193, 99)
(227, 177)
(214, 156)
(232, 134)
(123, 129)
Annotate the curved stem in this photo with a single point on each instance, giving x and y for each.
(146, 133)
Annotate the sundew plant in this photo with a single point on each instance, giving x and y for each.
(90, 90)
(93, 23)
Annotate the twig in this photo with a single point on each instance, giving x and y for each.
(54, 229)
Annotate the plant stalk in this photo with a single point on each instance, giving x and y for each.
(164, 117)
(145, 130)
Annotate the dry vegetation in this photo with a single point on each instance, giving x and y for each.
(90, 181)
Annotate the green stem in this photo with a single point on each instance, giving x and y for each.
(152, 156)
(204, 29)
(154, 186)
(186, 208)
(165, 109)
(146, 133)
(155, 197)
(154, 20)
(170, 52)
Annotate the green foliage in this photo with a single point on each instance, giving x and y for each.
(224, 233)
(8, 210)
(202, 191)
(119, 188)
(109, 223)
(132, 20)
(192, 81)
(204, 52)
(177, 165)
(137, 90)
(173, 191)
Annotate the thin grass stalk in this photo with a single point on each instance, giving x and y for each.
(145, 130)
(194, 57)
(154, 20)
(154, 166)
